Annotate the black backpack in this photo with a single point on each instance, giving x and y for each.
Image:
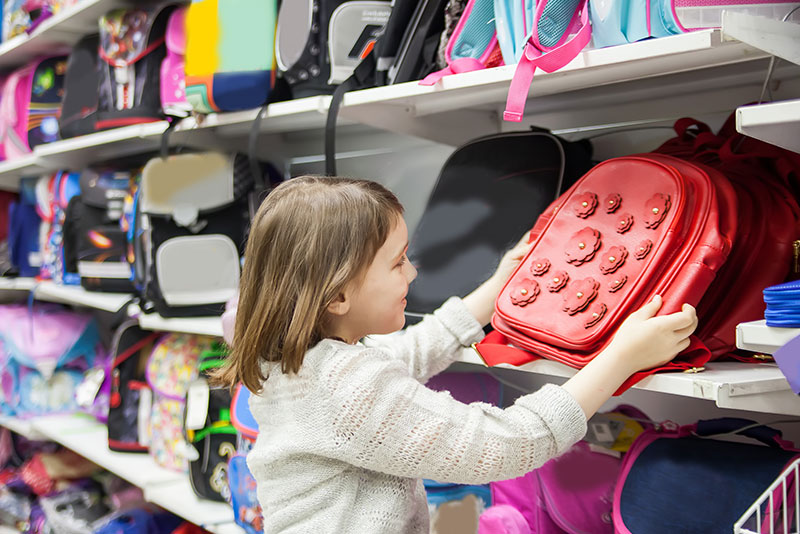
(317, 39)
(489, 192)
(213, 436)
(79, 106)
(131, 348)
(95, 245)
(132, 48)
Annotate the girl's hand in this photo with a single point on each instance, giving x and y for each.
(644, 341)
(511, 260)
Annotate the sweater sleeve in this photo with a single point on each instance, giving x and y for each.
(428, 347)
(381, 419)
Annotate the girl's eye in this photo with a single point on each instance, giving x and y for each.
(402, 261)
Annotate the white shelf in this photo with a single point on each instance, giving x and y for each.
(651, 79)
(179, 498)
(56, 34)
(75, 153)
(23, 427)
(53, 292)
(89, 438)
(12, 170)
(211, 326)
(17, 284)
(777, 123)
(757, 387)
(756, 336)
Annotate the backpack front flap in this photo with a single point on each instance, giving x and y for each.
(609, 248)
(184, 186)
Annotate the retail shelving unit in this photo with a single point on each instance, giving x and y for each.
(651, 81)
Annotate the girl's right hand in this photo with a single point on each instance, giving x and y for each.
(644, 341)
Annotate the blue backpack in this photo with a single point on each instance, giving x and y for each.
(617, 22)
(23, 230)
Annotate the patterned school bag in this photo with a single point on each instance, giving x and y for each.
(171, 367)
(30, 105)
(47, 350)
(131, 51)
(230, 54)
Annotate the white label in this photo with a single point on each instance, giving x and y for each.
(143, 421)
(197, 404)
(104, 269)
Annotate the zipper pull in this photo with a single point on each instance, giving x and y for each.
(796, 258)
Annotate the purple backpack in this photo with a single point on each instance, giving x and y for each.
(45, 350)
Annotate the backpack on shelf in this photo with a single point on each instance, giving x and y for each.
(66, 185)
(173, 75)
(131, 398)
(48, 348)
(197, 228)
(24, 229)
(209, 430)
(244, 499)
(7, 198)
(132, 49)
(171, 368)
(30, 105)
(605, 248)
(320, 42)
(95, 245)
(230, 54)
(78, 114)
(496, 186)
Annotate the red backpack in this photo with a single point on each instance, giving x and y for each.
(605, 248)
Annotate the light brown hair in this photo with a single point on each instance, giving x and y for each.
(310, 238)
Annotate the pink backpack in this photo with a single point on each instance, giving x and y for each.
(173, 78)
(30, 104)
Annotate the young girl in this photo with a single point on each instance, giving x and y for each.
(347, 428)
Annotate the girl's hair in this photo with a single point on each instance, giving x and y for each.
(310, 238)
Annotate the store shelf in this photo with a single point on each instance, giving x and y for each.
(12, 170)
(23, 427)
(77, 152)
(53, 292)
(211, 326)
(17, 284)
(179, 498)
(777, 123)
(56, 34)
(756, 336)
(757, 387)
(89, 438)
(639, 81)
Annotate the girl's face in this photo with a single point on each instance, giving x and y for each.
(377, 305)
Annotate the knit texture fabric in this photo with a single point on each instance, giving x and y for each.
(343, 444)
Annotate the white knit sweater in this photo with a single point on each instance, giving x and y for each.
(343, 445)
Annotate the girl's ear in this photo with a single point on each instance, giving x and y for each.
(339, 305)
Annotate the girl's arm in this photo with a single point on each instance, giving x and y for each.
(377, 417)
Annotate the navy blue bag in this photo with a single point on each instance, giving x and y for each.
(678, 479)
(23, 230)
